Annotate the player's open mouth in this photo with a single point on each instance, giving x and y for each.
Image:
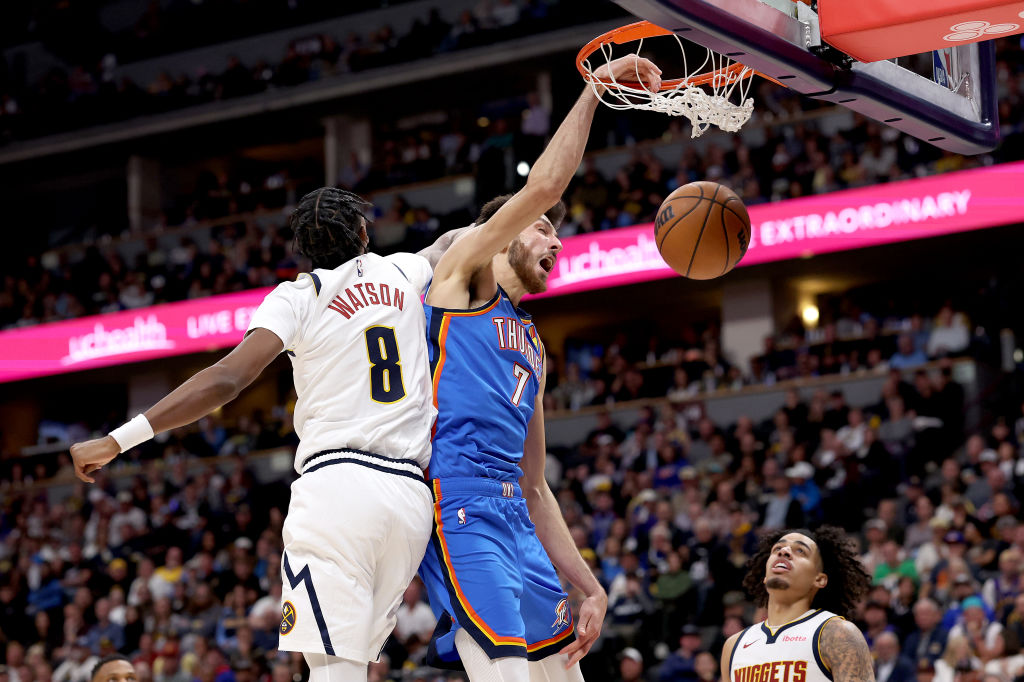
(781, 566)
(548, 263)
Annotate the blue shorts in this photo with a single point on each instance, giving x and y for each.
(486, 571)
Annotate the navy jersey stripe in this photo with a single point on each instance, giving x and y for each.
(732, 654)
(335, 451)
(772, 636)
(816, 648)
(523, 315)
(433, 336)
(303, 576)
(368, 465)
(478, 309)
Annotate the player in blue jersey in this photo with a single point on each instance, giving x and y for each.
(496, 521)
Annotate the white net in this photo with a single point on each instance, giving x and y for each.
(724, 104)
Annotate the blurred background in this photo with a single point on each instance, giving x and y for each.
(150, 154)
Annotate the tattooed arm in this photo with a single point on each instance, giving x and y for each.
(845, 653)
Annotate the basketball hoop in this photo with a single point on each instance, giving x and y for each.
(724, 104)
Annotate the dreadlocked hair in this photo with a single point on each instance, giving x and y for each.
(556, 214)
(326, 225)
(848, 582)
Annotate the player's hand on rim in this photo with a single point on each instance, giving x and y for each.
(588, 627)
(91, 455)
(629, 69)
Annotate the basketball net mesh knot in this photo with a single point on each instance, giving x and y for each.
(726, 81)
(702, 110)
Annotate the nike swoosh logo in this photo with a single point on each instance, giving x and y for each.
(749, 644)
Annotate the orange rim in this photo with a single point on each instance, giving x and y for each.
(645, 29)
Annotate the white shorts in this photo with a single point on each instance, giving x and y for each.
(355, 533)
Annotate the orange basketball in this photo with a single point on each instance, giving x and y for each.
(702, 230)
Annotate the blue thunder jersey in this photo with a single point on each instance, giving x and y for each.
(486, 365)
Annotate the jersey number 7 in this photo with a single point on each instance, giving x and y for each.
(386, 384)
(522, 375)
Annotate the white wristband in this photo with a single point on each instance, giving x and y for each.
(133, 432)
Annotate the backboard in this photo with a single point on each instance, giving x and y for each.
(782, 39)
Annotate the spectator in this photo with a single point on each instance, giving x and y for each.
(167, 668)
(630, 609)
(631, 665)
(896, 432)
(907, 356)
(985, 636)
(928, 640)
(167, 576)
(682, 663)
(878, 160)
(535, 127)
(852, 434)
(958, 660)
(961, 587)
(1001, 590)
(707, 667)
(781, 509)
(804, 489)
(890, 665)
(415, 618)
(949, 336)
(1014, 631)
(127, 516)
(104, 629)
(79, 664)
(893, 566)
(919, 532)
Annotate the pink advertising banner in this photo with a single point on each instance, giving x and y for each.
(132, 336)
(840, 221)
(852, 219)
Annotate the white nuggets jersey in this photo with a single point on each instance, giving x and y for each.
(356, 336)
(789, 653)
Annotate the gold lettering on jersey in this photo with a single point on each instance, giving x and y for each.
(772, 671)
(514, 335)
(367, 294)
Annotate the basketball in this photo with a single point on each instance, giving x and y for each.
(702, 230)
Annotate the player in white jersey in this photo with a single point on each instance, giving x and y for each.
(360, 513)
(810, 582)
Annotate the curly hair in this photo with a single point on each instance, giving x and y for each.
(848, 582)
(326, 225)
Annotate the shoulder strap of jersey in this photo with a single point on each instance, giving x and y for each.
(317, 285)
(735, 646)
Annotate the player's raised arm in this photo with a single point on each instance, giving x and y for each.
(545, 184)
(845, 652)
(434, 252)
(203, 393)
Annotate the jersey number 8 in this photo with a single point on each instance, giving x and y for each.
(385, 365)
